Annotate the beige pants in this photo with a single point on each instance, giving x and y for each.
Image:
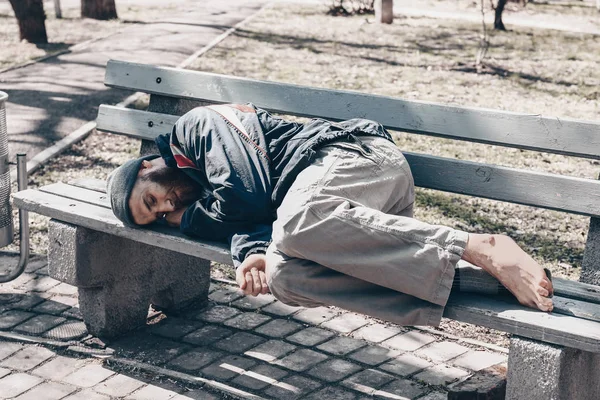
(345, 236)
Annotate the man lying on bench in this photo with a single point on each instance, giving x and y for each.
(319, 213)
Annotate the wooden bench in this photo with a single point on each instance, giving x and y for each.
(119, 271)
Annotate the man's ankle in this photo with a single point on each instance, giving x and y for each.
(479, 249)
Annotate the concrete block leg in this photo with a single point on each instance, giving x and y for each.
(109, 311)
(540, 371)
(186, 282)
(590, 269)
(118, 278)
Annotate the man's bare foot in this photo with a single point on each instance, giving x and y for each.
(500, 256)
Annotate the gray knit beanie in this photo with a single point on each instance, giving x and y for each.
(119, 186)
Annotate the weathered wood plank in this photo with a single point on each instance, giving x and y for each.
(576, 290)
(103, 220)
(138, 124)
(576, 308)
(556, 192)
(571, 297)
(83, 195)
(509, 317)
(527, 131)
(98, 185)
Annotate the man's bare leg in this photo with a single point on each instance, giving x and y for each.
(500, 256)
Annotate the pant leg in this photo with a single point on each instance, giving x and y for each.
(336, 215)
(299, 282)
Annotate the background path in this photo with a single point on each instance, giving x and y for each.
(50, 99)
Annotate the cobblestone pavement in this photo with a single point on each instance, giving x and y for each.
(257, 345)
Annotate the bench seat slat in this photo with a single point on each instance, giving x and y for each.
(77, 193)
(92, 191)
(509, 317)
(526, 131)
(556, 192)
(576, 290)
(490, 312)
(102, 219)
(90, 183)
(577, 308)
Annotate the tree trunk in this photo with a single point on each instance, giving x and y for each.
(384, 11)
(498, 24)
(31, 17)
(98, 9)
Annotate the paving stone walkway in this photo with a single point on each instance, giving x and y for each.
(257, 345)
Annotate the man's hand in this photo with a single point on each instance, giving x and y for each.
(251, 275)
(174, 217)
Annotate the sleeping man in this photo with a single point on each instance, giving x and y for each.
(319, 213)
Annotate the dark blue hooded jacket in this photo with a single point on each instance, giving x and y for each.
(245, 160)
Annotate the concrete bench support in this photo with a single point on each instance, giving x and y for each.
(540, 371)
(118, 278)
(590, 269)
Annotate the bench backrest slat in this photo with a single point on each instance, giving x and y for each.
(556, 192)
(138, 124)
(526, 131)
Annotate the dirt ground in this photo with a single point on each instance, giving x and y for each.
(583, 9)
(527, 70)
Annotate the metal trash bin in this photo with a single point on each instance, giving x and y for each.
(6, 224)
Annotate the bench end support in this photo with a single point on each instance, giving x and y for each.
(119, 278)
(541, 371)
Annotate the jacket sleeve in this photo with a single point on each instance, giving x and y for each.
(203, 220)
(254, 241)
(217, 219)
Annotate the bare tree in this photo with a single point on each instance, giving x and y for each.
(484, 42)
(32, 20)
(98, 9)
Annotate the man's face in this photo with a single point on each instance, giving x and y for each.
(149, 200)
